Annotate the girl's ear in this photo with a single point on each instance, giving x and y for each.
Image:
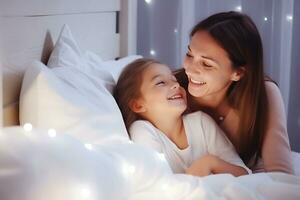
(238, 74)
(137, 106)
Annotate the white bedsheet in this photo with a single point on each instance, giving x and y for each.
(38, 165)
(296, 157)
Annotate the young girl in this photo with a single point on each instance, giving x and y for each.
(152, 104)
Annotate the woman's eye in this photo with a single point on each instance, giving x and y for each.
(206, 65)
(188, 55)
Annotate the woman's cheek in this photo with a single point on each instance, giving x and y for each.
(185, 64)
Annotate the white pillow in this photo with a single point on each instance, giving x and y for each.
(68, 100)
(116, 66)
(75, 95)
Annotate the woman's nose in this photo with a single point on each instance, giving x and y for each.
(190, 69)
(187, 67)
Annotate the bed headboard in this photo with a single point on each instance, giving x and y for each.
(30, 28)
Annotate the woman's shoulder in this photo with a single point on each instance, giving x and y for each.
(271, 85)
(273, 94)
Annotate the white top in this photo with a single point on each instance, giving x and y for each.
(203, 136)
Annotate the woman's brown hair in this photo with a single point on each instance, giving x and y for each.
(237, 34)
(128, 88)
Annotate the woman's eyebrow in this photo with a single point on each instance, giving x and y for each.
(206, 57)
(209, 58)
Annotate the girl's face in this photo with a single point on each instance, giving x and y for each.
(161, 94)
(208, 67)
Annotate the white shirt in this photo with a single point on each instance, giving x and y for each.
(203, 136)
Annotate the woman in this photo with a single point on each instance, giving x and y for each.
(223, 73)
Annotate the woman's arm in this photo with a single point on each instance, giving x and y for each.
(211, 164)
(276, 151)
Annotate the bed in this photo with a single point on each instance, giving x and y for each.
(62, 134)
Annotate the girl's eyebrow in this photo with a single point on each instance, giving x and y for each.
(154, 77)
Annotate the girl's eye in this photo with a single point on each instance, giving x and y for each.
(188, 55)
(160, 83)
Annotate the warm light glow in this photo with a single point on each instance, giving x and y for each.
(128, 169)
(27, 127)
(289, 18)
(165, 186)
(52, 133)
(161, 156)
(152, 52)
(85, 193)
(238, 8)
(88, 146)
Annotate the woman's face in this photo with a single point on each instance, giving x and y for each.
(208, 67)
(161, 94)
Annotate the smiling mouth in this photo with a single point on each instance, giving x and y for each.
(176, 96)
(197, 82)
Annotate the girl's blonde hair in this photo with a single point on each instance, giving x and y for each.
(128, 88)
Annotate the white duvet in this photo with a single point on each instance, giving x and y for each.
(37, 165)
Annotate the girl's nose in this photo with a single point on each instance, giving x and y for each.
(175, 85)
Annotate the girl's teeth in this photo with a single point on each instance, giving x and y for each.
(175, 97)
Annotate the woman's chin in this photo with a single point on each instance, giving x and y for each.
(195, 91)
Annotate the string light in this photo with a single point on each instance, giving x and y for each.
(289, 18)
(52, 133)
(85, 193)
(165, 187)
(238, 8)
(161, 156)
(152, 52)
(27, 127)
(265, 19)
(88, 146)
(128, 169)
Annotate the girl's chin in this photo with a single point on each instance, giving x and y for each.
(180, 108)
